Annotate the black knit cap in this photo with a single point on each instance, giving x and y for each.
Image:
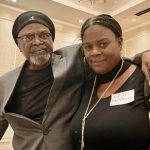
(32, 17)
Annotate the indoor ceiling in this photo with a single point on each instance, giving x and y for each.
(71, 11)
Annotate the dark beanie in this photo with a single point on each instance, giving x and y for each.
(32, 17)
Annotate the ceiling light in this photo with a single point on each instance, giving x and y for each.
(133, 20)
(81, 21)
(14, 0)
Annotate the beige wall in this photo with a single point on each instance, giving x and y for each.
(137, 40)
(7, 47)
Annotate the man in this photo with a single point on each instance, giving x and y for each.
(40, 98)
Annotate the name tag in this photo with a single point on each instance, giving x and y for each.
(122, 98)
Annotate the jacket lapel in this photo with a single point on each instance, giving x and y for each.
(10, 84)
(59, 68)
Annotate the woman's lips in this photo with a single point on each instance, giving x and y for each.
(98, 62)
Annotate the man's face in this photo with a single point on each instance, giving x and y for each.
(36, 44)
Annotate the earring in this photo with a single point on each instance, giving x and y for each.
(84, 59)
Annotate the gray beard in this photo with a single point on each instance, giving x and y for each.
(40, 60)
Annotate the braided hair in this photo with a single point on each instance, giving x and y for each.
(103, 20)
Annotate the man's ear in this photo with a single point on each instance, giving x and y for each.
(19, 46)
(20, 49)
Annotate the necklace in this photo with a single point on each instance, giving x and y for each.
(88, 111)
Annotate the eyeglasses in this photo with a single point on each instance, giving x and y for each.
(31, 36)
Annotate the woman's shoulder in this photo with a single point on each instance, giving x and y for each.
(134, 68)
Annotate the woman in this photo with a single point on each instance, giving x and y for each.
(112, 114)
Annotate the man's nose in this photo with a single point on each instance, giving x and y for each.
(37, 39)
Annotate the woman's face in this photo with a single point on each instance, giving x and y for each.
(101, 48)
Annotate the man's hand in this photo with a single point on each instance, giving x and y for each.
(146, 65)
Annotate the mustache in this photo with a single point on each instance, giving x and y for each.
(37, 47)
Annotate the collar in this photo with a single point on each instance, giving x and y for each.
(107, 77)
